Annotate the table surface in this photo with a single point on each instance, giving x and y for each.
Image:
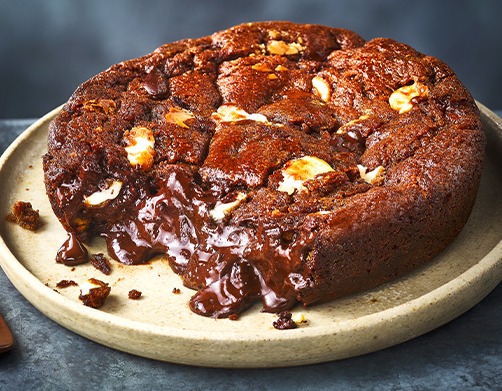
(463, 354)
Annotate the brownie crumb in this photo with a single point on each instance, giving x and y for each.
(25, 216)
(176, 291)
(285, 322)
(66, 283)
(96, 296)
(100, 262)
(233, 316)
(134, 294)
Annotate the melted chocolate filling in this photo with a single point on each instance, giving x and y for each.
(231, 266)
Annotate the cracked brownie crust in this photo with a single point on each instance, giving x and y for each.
(271, 161)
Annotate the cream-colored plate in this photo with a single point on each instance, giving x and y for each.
(161, 326)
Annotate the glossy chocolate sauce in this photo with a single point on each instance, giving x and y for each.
(72, 252)
(230, 266)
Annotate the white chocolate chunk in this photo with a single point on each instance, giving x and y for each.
(109, 193)
(178, 116)
(221, 209)
(231, 113)
(86, 286)
(261, 67)
(140, 143)
(322, 87)
(374, 177)
(298, 318)
(281, 47)
(401, 99)
(343, 129)
(297, 171)
(274, 34)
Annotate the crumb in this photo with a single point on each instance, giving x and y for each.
(285, 322)
(134, 294)
(95, 297)
(66, 283)
(299, 318)
(176, 291)
(233, 316)
(25, 216)
(100, 262)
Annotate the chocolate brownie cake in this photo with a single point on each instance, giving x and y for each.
(271, 161)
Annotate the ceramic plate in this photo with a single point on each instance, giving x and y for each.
(161, 326)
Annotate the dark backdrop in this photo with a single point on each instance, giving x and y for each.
(49, 47)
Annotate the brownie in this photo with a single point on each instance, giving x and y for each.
(25, 216)
(94, 293)
(271, 161)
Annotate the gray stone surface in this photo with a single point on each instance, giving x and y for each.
(465, 354)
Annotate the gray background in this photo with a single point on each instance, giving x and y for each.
(47, 48)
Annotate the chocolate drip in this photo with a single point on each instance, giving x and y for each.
(72, 252)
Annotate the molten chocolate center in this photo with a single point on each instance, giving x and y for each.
(232, 266)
